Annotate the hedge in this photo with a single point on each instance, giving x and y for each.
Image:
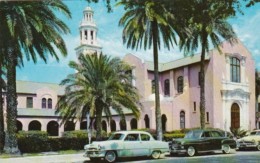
(38, 141)
(169, 137)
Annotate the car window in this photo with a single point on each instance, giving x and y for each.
(193, 134)
(116, 136)
(215, 134)
(132, 137)
(258, 133)
(205, 134)
(145, 137)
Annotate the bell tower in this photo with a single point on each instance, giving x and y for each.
(88, 34)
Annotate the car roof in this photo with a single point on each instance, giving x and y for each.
(206, 130)
(132, 132)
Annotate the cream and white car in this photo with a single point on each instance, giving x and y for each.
(250, 141)
(126, 144)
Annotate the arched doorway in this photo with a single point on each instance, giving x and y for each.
(104, 126)
(69, 126)
(147, 121)
(122, 125)
(235, 116)
(164, 120)
(113, 125)
(53, 128)
(133, 123)
(35, 125)
(83, 125)
(19, 126)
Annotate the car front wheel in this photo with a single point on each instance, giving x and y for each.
(225, 148)
(110, 156)
(156, 154)
(258, 147)
(191, 151)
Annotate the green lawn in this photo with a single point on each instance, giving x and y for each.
(4, 155)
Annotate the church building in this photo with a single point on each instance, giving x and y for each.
(229, 91)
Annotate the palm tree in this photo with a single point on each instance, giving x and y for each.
(30, 30)
(208, 24)
(146, 25)
(100, 85)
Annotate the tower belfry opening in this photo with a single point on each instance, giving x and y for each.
(88, 34)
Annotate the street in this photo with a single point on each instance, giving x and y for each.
(218, 157)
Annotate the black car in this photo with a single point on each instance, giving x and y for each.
(202, 141)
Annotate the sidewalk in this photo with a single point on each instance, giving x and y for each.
(66, 158)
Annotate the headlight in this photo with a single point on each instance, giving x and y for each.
(101, 147)
(86, 147)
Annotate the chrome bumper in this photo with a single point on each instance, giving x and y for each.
(94, 153)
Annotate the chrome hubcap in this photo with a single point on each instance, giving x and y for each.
(226, 148)
(110, 156)
(191, 151)
(155, 154)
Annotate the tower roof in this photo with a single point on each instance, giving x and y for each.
(88, 9)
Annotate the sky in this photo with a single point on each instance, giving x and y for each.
(247, 28)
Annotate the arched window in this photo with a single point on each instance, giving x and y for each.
(104, 126)
(147, 121)
(69, 126)
(113, 125)
(164, 120)
(133, 123)
(49, 103)
(19, 126)
(53, 128)
(83, 125)
(43, 102)
(182, 119)
(180, 84)
(153, 86)
(122, 125)
(166, 87)
(235, 70)
(35, 125)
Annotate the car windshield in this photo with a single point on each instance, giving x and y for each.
(193, 134)
(116, 136)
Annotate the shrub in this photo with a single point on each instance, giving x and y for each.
(169, 137)
(75, 134)
(63, 143)
(33, 141)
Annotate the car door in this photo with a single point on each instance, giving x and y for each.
(216, 139)
(132, 145)
(204, 144)
(146, 144)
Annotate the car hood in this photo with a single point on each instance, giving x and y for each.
(97, 144)
(250, 138)
(182, 140)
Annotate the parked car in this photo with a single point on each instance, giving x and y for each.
(202, 141)
(126, 144)
(251, 141)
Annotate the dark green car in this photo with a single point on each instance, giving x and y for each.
(202, 141)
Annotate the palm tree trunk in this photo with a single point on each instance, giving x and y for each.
(156, 80)
(98, 123)
(1, 112)
(202, 83)
(11, 145)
